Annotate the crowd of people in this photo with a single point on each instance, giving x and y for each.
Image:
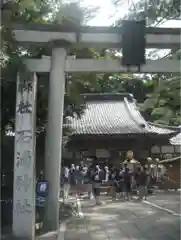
(120, 180)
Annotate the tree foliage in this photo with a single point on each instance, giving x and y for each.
(42, 11)
(12, 54)
(155, 12)
(163, 104)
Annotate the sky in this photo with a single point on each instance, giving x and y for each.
(109, 13)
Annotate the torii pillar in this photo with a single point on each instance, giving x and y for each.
(54, 132)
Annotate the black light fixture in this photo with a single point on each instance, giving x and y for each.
(133, 43)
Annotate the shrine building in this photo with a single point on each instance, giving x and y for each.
(110, 126)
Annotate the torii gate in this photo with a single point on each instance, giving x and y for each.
(58, 64)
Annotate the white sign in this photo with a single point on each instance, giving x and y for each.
(167, 149)
(102, 153)
(155, 149)
(178, 149)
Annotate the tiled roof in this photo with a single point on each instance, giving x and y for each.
(116, 114)
(176, 140)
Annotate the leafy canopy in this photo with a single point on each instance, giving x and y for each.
(163, 104)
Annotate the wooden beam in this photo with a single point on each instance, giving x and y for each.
(104, 66)
(104, 37)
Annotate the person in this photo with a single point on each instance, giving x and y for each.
(106, 172)
(127, 176)
(106, 177)
(143, 180)
(83, 170)
(136, 178)
(121, 182)
(77, 174)
(78, 179)
(89, 181)
(72, 177)
(66, 182)
(97, 177)
(117, 182)
(112, 176)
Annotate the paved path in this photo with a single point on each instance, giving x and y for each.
(170, 201)
(123, 220)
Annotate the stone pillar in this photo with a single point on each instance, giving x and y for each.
(54, 134)
(24, 158)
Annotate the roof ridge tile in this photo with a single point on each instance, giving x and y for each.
(115, 117)
(127, 103)
(105, 96)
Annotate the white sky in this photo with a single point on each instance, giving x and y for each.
(109, 13)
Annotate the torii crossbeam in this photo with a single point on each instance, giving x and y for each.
(104, 66)
(104, 37)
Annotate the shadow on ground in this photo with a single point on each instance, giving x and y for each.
(66, 211)
(125, 220)
(168, 201)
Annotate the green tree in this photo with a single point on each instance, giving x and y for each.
(12, 54)
(163, 104)
(36, 11)
(154, 12)
(24, 12)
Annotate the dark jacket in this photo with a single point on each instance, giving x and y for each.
(72, 176)
(112, 175)
(65, 176)
(97, 175)
(88, 174)
(142, 178)
(127, 175)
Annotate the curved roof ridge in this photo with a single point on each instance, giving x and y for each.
(104, 96)
(113, 117)
(176, 140)
(130, 109)
(164, 126)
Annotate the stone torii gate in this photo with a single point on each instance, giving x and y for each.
(60, 38)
